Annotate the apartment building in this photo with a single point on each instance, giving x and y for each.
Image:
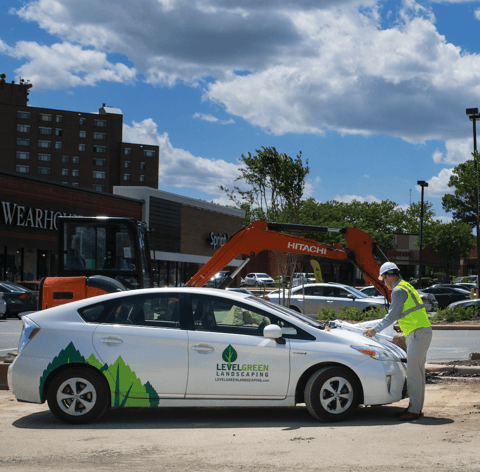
(74, 148)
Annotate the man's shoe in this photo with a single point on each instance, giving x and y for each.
(400, 413)
(410, 416)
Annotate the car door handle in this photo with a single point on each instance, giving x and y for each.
(111, 340)
(329, 301)
(203, 349)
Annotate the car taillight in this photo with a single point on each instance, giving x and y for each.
(24, 296)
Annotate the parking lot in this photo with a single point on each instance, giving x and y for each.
(207, 439)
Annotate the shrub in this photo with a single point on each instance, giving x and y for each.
(460, 314)
(352, 314)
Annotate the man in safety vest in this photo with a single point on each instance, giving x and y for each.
(407, 308)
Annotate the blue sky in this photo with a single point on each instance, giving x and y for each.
(373, 93)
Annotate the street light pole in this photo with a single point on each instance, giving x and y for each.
(474, 116)
(422, 184)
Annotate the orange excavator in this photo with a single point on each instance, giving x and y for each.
(362, 250)
(100, 255)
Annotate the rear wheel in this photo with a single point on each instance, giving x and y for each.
(332, 394)
(78, 395)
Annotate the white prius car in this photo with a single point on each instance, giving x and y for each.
(179, 347)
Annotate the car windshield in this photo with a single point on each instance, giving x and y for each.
(356, 292)
(290, 313)
(13, 287)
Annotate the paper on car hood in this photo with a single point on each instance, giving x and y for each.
(354, 333)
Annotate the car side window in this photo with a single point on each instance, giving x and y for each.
(221, 315)
(314, 291)
(154, 311)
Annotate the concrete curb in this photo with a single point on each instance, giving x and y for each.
(453, 369)
(457, 327)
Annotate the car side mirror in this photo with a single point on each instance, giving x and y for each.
(274, 331)
(351, 296)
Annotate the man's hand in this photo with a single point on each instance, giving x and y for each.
(370, 332)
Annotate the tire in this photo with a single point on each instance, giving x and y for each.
(295, 308)
(87, 406)
(332, 394)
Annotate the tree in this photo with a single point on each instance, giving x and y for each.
(462, 202)
(450, 241)
(275, 184)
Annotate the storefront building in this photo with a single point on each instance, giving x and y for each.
(184, 232)
(29, 208)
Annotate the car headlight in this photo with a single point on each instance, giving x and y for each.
(375, 353)
(30, 329)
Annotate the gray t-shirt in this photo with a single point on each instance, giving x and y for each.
(399, 297)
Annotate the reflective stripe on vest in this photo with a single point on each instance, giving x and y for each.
(415, 316)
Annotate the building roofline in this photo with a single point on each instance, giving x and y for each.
(66, 186)
(187, 201)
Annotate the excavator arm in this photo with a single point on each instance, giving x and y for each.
(362, 250)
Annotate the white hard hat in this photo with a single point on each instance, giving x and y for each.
(387, 266)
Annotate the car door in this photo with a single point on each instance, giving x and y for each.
(228, 356)
(144, 346)
(310, 300)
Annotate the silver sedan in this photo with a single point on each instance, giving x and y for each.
(311, 298)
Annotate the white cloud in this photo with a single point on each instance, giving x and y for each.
(458, 151)
(352, 198)
(438, 186)
(302, 61)
(65, 65)
(443, 219)
(180, 168)
(213, 119)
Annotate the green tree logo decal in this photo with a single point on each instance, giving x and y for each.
(229, 355)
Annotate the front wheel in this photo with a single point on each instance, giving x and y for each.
(332, 394)
(78, 396)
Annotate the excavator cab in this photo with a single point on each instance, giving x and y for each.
(97, 255)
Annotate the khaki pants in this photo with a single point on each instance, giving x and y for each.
(418, 342)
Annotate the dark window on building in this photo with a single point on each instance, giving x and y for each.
(126, 176)
(75, 173)
(142, 178)
(58, 132)
(44, 130)
(76, 160)
(44, 157)
(98, 175)
(101, 136)
(24, 115)
(44, 144)
(58, 145)
(82, 133)
(65, 172)
(65, 159)
(23, 128)
(59, 118)
(142, 165)
(148, 153)
(45, 117)
(100, 149)
(100, 162)
(100, 123)
(128, 151)
(23, 169)
(81, 147)
(127, 164)
(99, 188)
(44, 170)
(23, 142)
(83, 121)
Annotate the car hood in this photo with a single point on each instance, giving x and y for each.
(354, 334)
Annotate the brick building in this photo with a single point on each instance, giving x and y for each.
(73, 148)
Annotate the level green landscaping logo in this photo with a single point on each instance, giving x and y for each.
(229, 369)
(127, 389)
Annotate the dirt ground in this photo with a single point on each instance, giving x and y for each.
(447, 438)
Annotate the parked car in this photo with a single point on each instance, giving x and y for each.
(258, 279)
(446, 295)
(32, 285)
(3, 307)
(464, 304)
(304, 278)
(217, 279)
(325, 295)
(428, 299)
(221, 349)
(18, 298)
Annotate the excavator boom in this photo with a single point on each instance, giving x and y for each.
(362, 250)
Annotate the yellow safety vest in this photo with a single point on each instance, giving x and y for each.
(414, 314)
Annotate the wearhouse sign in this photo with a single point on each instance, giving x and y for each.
(19, 215)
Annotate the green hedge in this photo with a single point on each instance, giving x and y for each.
(460, 314)
(351, 314)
